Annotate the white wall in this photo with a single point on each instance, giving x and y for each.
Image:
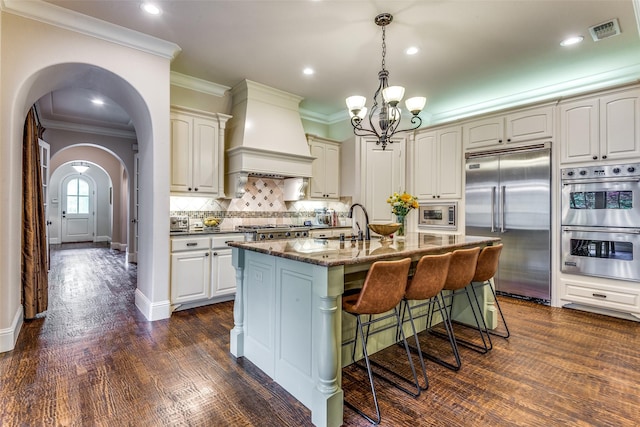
(42, 58)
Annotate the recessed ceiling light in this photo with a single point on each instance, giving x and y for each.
(151, 9)
(97, 101)
(412, 50)
(308, 71)
(571, 41)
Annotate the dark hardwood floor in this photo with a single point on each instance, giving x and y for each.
(93, 360)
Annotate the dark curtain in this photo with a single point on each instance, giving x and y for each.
(35, 267)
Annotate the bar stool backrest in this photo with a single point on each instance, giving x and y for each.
(487, 263)
(462, 268)
(428, 280)
(383, 287)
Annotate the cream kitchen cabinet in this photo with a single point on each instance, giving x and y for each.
(382, 173)
(223, 274)
(622, 297)
(197, 152)
(437, 164)
(605, 127)
(516, 127)
(190, 269)
(325, 182)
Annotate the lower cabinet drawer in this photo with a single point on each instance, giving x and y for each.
(190, 243)
(620, 299)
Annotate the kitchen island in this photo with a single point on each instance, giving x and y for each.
(287, 310)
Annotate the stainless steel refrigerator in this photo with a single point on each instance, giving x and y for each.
(508, 196)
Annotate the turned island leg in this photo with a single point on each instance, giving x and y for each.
(237, 333)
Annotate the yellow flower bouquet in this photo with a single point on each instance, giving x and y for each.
(401, 204)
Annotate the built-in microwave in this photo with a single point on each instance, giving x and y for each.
(438, 215)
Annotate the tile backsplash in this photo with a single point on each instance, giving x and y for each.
(262, 203)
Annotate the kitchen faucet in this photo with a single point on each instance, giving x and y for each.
(366, 219)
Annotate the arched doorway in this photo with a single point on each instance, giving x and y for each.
(152, 292)
(50, 56)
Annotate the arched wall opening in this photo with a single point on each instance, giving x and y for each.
(52, 58)
(115, 168)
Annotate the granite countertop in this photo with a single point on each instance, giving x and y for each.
(204, 232)
(329, 252)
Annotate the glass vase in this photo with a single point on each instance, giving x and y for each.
(401, 231)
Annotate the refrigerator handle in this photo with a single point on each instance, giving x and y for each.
(493, 209)
(502, 202)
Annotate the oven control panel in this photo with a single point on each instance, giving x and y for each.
(609, 171)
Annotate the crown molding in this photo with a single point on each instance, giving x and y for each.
(74, 21)
(608, 79)
(199, 85)
(94, 130)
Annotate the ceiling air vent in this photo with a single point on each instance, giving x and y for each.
(606, 29)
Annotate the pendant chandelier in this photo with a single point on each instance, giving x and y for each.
(386, 110)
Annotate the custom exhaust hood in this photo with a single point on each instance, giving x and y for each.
(265, 137)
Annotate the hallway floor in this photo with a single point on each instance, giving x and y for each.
(93, 360)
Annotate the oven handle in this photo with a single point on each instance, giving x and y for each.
(603, 230)
(493, 209)
(599, 180)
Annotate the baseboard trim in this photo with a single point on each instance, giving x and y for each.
(152, 310)
(119, 246)
(54, 241)
(102, 239)
(9, 336)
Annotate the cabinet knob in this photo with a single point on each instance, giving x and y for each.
(499, 140)
(207, 254)
(189, 189)
(509, 140)
(595, 157)
(215, 254)
(195, 189)
(433, 196)
(604, 157)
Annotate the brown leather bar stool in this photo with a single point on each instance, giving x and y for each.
(383, 289)
(461, 271)
(485, 271)
(423, 289)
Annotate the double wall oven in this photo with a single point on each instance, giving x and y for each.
(601, 221)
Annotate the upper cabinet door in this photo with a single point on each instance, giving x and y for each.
(205, 156)
(483, 133)
(579, 130)
(181, 152)
(529, 125)
(437, 167)
(383, 174)
(325, 182)
(424, 159)
(332, 171)
(620, 125)
(449, 166)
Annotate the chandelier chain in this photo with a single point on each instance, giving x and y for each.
(384, 47)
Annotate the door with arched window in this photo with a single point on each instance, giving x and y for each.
(77, 209)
